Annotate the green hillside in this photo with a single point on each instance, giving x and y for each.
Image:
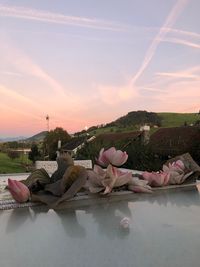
(133, 120)
(37, 137)
(178, 119)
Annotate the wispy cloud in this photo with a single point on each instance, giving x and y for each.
(19, 97)
(162, 78)
(10, 73)
(114, 95)
(184, 33)
(180, 96)
(179, 90)
(26, 66)
(178, 75)
(152, 89)
(16, 112)
(50, 17)
(182, 42)
(60, 102)
(172, 17)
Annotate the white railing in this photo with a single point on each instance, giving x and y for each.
(51, 166)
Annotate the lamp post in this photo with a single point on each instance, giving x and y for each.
(59, 147)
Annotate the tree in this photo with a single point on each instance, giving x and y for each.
(13, 154)
(89, 151)
(13, 144)
(197, 123)
(51, 141)
(34, 154)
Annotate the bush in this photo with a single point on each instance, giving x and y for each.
(89, 151)
(12, 154)
(34, 154)
(141, 157)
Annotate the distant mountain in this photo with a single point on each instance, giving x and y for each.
(37, 137)
(11, 139)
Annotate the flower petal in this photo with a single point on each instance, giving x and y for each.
(140, 189)
(102, 159)
(18, 190)
(119, 158)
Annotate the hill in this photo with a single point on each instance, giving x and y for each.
(37, 137)
(134, 119)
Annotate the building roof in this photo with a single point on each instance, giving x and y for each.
(73, 143)
(111, 137)
(175, 140)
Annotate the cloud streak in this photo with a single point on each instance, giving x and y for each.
(172, 17)
(183, 32)
(181, 42)
(27, 66)
(15, 112)
(19, 97)
(183, 75)
(50, 17)
(10, 73)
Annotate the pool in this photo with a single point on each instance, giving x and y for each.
(164, 231)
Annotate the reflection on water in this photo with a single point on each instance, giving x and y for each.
(104, 218)
(164, 232)
(178, 197)
(108, 218)
(70, 223)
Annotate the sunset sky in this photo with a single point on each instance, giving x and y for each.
(89, 62)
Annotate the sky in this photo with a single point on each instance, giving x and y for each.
(88, 62)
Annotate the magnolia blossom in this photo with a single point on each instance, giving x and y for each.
(111, 156)
(177, 172)
(18, 190)
(106, 180)
(174, 166)
(156, 178)
(173, 173)
(139, 186)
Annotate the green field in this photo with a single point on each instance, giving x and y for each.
(178, 119)
(8, 165)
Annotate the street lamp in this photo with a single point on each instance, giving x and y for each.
(59, 147)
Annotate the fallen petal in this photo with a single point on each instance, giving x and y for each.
(125, 223)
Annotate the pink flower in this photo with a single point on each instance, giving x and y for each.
(139, 186)
(177, 166)
(173, 173)
(106, 180)
(156, 178)
(177, 172)
(111, 156)
(18, 190)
